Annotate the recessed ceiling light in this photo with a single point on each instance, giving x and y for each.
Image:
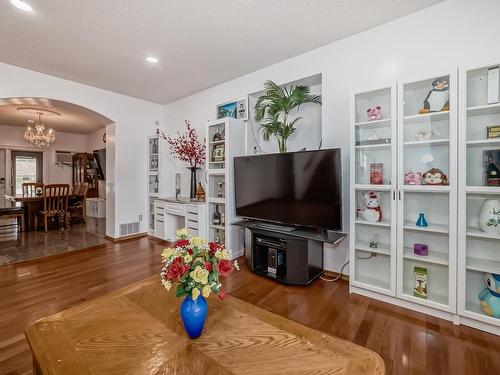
(22, 5)
(152, 59)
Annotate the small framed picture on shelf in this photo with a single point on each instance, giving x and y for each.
(377, 173)
(491, 162)
(420, 278)
(218, 153)
(493, 131)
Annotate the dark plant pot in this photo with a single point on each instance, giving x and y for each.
(192, 190)
(194, 314)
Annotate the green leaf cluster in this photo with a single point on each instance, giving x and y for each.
(274, 107)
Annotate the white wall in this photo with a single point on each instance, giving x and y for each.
(436, 40)
(94, 140)
(134, 118)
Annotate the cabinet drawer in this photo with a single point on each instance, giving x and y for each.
(175, 209)
(192, 223)
(193, 232)
(192, 209)
(191, 216)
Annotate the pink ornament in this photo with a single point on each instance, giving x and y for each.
(374, 113)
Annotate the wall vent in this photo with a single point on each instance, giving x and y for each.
(129, 228)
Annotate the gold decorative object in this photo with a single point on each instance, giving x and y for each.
(36, 133)
(200, 193)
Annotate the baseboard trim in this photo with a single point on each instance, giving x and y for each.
(334, 274)
(127, 238)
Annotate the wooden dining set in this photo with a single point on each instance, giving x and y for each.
(40, 205)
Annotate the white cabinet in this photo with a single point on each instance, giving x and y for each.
(479, 155)
(404, 161)
(153, 169)
(170, 216)
(225, 140)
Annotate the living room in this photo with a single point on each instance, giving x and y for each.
(402, 274)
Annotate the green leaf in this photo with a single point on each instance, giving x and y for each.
(179, 292)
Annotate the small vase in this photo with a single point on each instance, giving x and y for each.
(192, 191)
(489, 216)
(194, 314)
(421, 222)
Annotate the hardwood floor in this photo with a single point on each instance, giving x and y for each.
(409, 343)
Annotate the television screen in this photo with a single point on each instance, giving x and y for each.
(297, 188)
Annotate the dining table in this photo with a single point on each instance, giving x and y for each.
(138, 330)
(31, 204)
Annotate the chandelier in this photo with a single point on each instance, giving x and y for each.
(36, 132)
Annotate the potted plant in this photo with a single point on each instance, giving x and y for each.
(187, 147)
(195, 268)
(274, 107)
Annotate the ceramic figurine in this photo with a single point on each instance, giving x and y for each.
(374, 113)
(489, 216)
(373, 211)
(435, 176)
(438, 97)
(490, 296)
(412, 178)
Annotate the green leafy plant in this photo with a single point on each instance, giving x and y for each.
(274, 107)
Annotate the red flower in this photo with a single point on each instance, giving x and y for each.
(208, 266)
(222, 294)
(181, 243)
(224, 267)
(213, 247)
(176, 269)
(190, 252)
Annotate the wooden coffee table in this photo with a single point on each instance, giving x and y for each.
(137, 330)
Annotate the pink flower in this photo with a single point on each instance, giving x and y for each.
(222, 294)
(224, 267)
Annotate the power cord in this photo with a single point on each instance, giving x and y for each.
(324, 278)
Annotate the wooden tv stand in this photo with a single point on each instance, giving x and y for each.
(289, 256)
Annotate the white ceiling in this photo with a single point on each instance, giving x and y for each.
(73, 118)
(200, 43)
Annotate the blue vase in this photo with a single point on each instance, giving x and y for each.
(194, 314)
(421, 222)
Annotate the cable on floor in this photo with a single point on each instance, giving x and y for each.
(325, 278)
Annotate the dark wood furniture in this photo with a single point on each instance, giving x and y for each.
(137, 330)
(289, 255)
(31, 206)
(30, 188)
(77, 205)
(12, 213)
(85, 170)
(55, 204)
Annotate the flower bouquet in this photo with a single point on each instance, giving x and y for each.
(195, 268)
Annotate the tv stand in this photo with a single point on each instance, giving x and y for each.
(292, 257)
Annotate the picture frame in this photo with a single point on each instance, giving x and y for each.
(493, 131)
(227, 109)
(242, 109)
(218, 153)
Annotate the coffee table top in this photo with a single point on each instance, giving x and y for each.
(137, 330)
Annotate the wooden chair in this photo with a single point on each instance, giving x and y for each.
(12, 213)
(78, 203)
(29, 188)
(55, 203)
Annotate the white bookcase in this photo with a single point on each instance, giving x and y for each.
(387, 271)
(436, 202)
(373, 268)
(153, 169)
(478, 251)
(220, 181)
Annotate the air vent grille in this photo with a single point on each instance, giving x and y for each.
(129, 228)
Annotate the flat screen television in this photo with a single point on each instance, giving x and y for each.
(296, 188)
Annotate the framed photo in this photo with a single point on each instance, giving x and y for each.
(218, 153)
(226, 110)
(242, 109)
(493, 131)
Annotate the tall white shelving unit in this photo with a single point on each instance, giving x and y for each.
(478, 251)
(220, 181)
(436, 202)
(153, 169)
(373, 269)
(387, 272)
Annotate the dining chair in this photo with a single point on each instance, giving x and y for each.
(55, 204)
(29, 188)
(78, 201)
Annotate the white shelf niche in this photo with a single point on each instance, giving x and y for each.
(373, 271)
(475, 283)
(435, 208)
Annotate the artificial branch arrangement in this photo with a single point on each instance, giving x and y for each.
(186, 146)
(274, 107)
